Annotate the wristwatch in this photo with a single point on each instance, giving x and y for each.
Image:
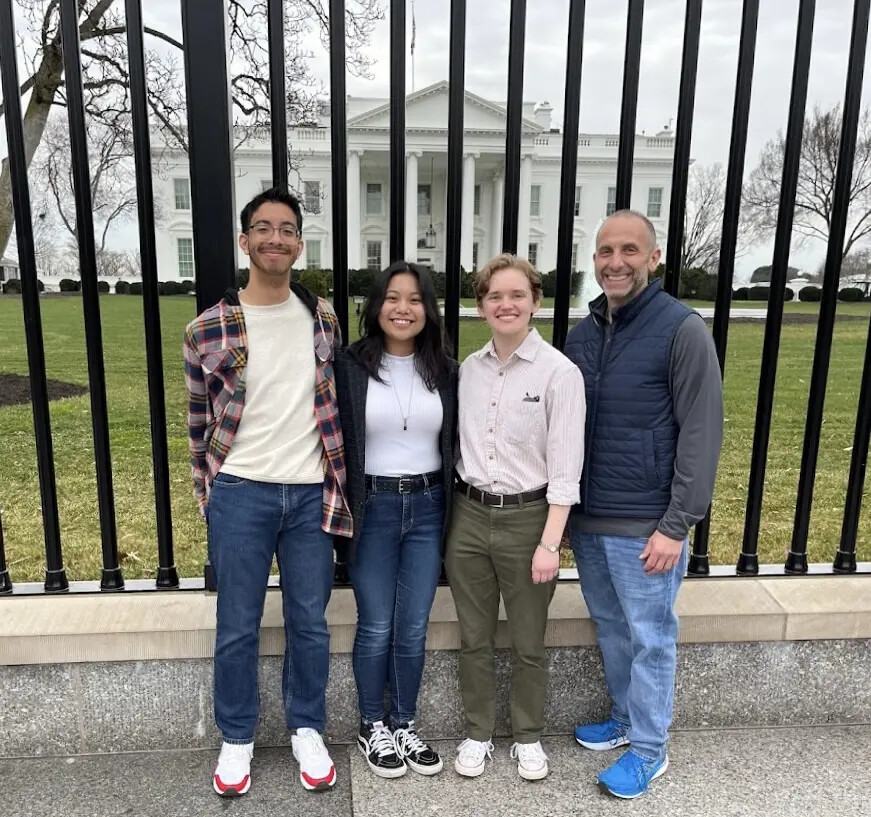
(549, 548)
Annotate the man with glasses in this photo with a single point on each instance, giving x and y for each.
(269, 476)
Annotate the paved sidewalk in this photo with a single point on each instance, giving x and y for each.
(793, 772)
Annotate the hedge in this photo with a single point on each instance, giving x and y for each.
(851, 294)
(740, 294)
(758, 293)
(809, 294)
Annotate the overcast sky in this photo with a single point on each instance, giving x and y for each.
(604, 41)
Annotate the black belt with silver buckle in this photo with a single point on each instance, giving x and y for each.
(499, 500)
(403, 485)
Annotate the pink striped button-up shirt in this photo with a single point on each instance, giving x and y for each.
(522, 421)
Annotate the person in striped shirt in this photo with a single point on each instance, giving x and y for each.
(521, 424)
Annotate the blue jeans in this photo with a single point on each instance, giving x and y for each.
(394, 573)
(249, 523)
(637, 629)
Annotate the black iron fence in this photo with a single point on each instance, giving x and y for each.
(210, 148)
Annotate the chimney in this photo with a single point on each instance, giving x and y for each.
(542, 115)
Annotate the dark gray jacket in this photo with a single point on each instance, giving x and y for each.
(352, 384)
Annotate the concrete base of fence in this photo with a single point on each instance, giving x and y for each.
(87, 674)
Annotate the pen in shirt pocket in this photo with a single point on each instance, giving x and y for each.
(531, 399)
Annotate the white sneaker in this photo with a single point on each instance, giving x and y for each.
(316, 769)
(531, 760)
(232, 775)
(471, 757)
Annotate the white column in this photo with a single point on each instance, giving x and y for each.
(523, 215)
(411, 205)
(354, 205)
(467, 232)
(498, 203)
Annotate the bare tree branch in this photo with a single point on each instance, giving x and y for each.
(818, 163)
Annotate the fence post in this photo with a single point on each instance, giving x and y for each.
(210, 150)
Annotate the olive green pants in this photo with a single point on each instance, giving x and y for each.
(489, 551)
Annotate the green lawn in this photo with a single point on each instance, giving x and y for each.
(125, 375)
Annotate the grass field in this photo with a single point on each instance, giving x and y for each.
(131, 456)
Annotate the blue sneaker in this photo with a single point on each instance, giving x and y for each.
(602, 736)
(631, 775)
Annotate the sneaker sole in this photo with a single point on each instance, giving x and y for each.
(528, 774)
(659, 773)
(229, 791)
(604, 746)
(426, 771)
(387, 774)
(321, 785)
(469, 771)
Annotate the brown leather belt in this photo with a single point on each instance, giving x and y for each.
(499, 500)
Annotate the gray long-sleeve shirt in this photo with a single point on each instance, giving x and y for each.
(697, 394)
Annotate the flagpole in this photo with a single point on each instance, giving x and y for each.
(413, 36)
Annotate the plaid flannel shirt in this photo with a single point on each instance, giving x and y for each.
(215, 357)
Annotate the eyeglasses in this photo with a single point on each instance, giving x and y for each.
(263, 229)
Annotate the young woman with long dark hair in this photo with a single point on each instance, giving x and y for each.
(397, 392)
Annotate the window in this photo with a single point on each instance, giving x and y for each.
(577, 201)
(312, 254)
(185, 257)
(374, 202)
(532, 255)
(265, 184)
(476, 210)
(654, 202)
(611, 205)
(182, 188)
(475, 256)
(574, 257)
(373, 253)
(535, 200)
(424, 199)
(312, 197)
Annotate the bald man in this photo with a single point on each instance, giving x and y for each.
(653, 435)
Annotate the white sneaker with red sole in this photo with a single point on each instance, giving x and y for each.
(316, 769)
(232, 776)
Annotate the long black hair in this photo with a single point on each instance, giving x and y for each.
(431, 347)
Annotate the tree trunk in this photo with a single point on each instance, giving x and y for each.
(47, 81)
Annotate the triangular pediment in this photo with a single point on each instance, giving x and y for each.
(427, 110)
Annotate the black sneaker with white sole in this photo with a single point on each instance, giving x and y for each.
(417, 754)
(376, 743)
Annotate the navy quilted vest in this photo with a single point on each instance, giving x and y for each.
(631, 434)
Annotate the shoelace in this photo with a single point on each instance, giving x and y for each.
(312, 742)
(619, 731)
(476, 749)
(408, 742)
(381, 742)
(525, 752)
(234, 758)
(236, 750)
(635, 766)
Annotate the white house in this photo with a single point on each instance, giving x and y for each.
(426, 184)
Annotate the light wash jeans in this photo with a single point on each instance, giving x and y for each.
(637, 628)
